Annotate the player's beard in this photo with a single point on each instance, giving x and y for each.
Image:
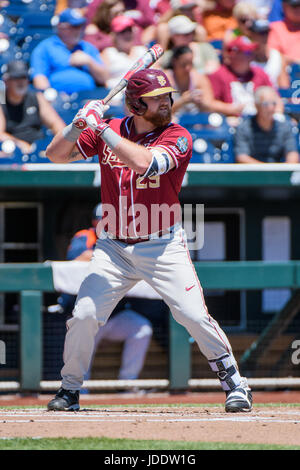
(160, 118)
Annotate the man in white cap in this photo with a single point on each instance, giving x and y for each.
(182, 31)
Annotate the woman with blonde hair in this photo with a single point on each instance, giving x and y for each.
(244, 13)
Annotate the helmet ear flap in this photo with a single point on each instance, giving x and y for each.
(136, 106)
(142, 108)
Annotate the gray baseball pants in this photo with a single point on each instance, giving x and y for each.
(165, 264)
(135, 331)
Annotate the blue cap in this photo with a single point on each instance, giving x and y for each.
(73, 16)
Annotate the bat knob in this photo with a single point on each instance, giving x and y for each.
(81, 123)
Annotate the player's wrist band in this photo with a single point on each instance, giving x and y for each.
(71, 132)
(111, 138)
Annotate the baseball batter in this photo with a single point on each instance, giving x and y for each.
(143, 159)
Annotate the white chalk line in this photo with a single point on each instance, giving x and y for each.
(108, 414)
(152, 420)
(44, 416)
(109, 419)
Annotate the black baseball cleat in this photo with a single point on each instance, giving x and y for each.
(65, 400)
(239, 399)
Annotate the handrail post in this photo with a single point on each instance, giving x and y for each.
(31, 340)
(179, 355)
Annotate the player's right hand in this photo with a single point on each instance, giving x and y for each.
(94, 108)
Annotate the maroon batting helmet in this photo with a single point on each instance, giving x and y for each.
(147, 82)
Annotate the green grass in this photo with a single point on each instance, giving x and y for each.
(92, 443)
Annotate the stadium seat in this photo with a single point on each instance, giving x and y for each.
(86, 95)
(33, 27)
(205, 151)
(293, 110)
(66, 109)
(291, 100)
(294, 72)
(13, 158)
(13, 52)
(217, 43)
(204, 121)
(29, 42)
(18, 8)
(210, 129)
(7, 26)
(115, 112)
(98, 93)
(218, 46)
(38, 153)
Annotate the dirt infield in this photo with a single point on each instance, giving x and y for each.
(264, 425)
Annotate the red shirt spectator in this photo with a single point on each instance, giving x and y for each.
(236, 80)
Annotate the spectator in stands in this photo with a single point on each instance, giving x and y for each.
(124, 325)
(64, 61)
(188, 8)
(285, 34)
(25, 112)
(139, 10)
(236, 80)
(262, 138)
(244, 13)
(123, 53)
(98, 31)
(182, 33)
(219, 19)
(61, 5)
(263, 8)
(195, 93)
(269, 59)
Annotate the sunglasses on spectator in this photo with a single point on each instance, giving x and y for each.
(245, 20)
(246, 53)
(268, 103)
(126, 30)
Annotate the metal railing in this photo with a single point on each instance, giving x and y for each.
(32, 279)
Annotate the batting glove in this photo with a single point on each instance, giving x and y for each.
(97, 125)
(94, 109)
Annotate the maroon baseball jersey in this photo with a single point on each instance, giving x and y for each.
(141, 204)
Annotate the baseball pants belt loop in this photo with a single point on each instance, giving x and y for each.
(151, 236)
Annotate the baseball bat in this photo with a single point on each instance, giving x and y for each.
(149, 58)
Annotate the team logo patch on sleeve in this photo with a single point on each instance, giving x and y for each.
(182, 144)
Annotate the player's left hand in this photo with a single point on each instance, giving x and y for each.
(94, 109)
(97, 125)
